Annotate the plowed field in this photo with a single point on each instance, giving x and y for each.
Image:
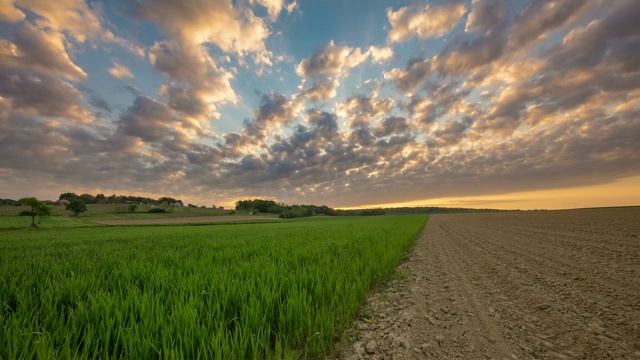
(536, 284)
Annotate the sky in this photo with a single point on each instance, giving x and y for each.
(479, 103)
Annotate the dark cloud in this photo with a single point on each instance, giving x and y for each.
(414, 74)
(391, 125)
(41, 51)
(148, 120)
(197, 85)
(541, 17)
(449, 133)
(41, 94)
(487, 15)
(100, 103)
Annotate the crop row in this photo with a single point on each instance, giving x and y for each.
(251, 291)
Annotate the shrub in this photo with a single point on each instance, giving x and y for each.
(157, 210)
(26, 213)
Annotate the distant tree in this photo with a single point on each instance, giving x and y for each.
(67, 196)
(88, 198)
(101, 199)
(133, 208)
(77, 206)
(38, 208)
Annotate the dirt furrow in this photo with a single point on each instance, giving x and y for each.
(520, 285)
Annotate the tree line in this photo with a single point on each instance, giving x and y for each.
(118, 199)
(293, 211)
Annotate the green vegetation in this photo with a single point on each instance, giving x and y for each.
(118, 199)
(23, 222)
(37, 208)
(77, 206)
(281, 290)
(118, 211)
(294, 211)
(262, 206)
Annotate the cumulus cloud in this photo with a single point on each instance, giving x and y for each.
(331, 60)
(234, 30)
(197, 85)
(414, 74)
(423, 22)
(273, 7)
(380, 55)
(536, 21)
(42, 95)
(120, 71)
(274, 110)
(39, 51)
(74, 17)
(324, 69)
(486, 15)
(362, 109)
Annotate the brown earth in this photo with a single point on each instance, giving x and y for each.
(184, 220)
(517, 285)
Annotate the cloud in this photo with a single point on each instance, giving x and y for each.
(331, 60)
(273, 7)
(362, 109)
(42, 95)
(73, 16)
(39, 51)
(150, 121)
(197, 85)
(324, 69)
(536, 21)
(292, 6)
(392, 125)
(274, 110)
(427, 22)
(100, 103)
(449, 133)
(380, 55)
(415, 73)
(9, 13)
(120, 71)
(192, 23)
(486, 15)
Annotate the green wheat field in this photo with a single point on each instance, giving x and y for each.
(285, 290)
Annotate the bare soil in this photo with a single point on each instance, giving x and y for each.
(184, 220)
(516, 285)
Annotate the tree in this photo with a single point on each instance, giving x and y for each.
(77, 206)
(133, 208)
(38, 208)
(88, 198)
(67, 196)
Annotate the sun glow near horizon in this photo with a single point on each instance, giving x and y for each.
(623, 192)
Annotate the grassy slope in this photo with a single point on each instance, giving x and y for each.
(9, 218)
(278, 290)
(24, 222)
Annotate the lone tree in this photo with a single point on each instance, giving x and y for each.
(77, 206)
(38, 208)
